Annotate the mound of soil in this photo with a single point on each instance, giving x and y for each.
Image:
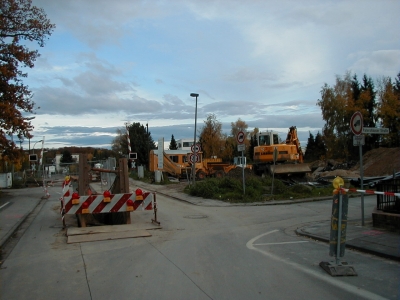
(377, 162)
(380, 162)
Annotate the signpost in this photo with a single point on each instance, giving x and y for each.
(194, 158)
(241, 147)
(357, 127)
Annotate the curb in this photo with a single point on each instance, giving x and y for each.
(302, 232)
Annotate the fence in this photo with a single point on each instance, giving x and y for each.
(389, 203)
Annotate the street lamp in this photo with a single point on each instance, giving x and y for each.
(33, 149)
(194, 141)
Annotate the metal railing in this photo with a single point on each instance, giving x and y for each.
(387, 203)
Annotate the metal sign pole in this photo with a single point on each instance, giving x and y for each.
(339, 225)
(244, 185)
(362, 184)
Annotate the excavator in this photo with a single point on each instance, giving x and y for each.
(282, 159)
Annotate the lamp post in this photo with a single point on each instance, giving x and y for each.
(194, 141)
(33, 149)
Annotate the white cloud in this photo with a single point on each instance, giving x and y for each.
(262, 61)
(376, 63)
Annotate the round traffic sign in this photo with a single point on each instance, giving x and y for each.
(198, 148)
(356, 123)
(194, 158)
(240, 137)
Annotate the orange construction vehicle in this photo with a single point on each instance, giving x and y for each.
(272, 156)
(176, 164)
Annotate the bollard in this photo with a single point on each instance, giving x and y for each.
(337, 241)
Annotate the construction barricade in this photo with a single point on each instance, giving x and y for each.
(73, 203)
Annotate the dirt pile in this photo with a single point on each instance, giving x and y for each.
(380, 162)
(377, 162)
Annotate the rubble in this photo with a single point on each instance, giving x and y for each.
(377, 162)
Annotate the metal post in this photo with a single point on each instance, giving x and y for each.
(339, 228)
(362, 185)
(194, 141)
(244, 185)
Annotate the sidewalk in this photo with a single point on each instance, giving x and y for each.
(15, 207)
(366, 238)
(17, 204)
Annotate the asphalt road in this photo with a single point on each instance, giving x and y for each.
(249, 252)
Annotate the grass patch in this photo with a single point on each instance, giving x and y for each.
(257, 189)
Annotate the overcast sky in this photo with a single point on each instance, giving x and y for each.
(112, 62)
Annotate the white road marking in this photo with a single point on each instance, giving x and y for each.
(281, 243)
(319, 275)
(4, 205)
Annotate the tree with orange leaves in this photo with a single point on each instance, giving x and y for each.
(19, 22)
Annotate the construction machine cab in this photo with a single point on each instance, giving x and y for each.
(267, 138)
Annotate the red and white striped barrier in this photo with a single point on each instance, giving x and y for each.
(95, 204)
(371, 192)
(66, 191)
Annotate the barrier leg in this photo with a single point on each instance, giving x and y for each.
(82, 220)
(128, 218)
(155, 211)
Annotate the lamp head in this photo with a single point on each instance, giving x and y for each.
(194, 95)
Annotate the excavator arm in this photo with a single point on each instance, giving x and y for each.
(292, 139)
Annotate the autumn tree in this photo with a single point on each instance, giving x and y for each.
(389, 110)
(172, 144)
(20, 22)
(335, 102)
(119, 144)
(211, 137)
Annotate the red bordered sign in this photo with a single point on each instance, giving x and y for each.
(356, 123)
(195, 148)
(240, 137)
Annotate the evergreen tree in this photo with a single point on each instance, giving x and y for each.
(172, 144)
(253, 144)
(66, 158)
(310, 148)
(141, 143)
(368, 102)
(320, 148)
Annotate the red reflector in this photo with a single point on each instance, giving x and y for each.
(139, 192)
(75, 195)
(85, 205)
(107, 193)
(129, 202)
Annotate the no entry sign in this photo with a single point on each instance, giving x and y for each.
(240, 137)
(356, 123)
